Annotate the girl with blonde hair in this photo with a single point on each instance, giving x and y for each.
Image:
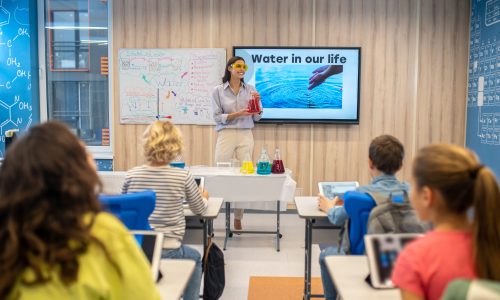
(162, 143)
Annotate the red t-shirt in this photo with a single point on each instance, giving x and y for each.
(427, 265)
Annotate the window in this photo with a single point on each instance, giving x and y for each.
(68, 39)
(76, 55)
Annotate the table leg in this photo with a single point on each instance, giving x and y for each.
(228, 223)
(278, 235)
(307, 263)
(205, 237)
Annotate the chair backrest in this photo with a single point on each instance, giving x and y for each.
(358, 207)
(132, 209)
(478, 289)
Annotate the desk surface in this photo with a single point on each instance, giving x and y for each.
(176, 274)
(307, 208)
(349, 273)
(214, 205)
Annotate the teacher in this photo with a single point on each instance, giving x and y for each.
(234, 122)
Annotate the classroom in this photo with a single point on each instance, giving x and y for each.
(317, 85)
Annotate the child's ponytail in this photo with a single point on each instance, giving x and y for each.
(486, 223)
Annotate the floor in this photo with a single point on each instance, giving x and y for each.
(255, 254)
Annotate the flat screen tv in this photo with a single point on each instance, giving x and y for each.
(305, 85)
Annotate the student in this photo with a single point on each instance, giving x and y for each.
(234, 122)
(162, 142)
(449, 180)
(385, 158)
(56, 243)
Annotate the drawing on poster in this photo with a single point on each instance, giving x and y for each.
(171, 84)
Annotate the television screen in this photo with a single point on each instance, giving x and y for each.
(305, 85)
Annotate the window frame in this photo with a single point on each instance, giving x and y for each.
(99, 152)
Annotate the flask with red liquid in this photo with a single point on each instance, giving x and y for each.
(253, 105)
(278, 167)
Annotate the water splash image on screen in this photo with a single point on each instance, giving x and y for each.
(286, 86)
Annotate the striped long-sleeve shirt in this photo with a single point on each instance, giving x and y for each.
(172, 187)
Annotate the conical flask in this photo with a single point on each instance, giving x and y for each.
(278, 167)
(264, 163)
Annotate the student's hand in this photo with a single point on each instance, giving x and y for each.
(322, 73)
(204, 193)
(325, 204)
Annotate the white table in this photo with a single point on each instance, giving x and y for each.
(176, 274)
(307, 209)
(214, 205)
(349, 272)
(112, 181)
(248, 191)
(251, 191)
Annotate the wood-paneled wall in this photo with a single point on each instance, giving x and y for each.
(413, 73)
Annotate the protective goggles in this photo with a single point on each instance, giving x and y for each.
(240, 66)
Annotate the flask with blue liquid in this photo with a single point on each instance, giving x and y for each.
(264, 164)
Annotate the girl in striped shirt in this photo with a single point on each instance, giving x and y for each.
(162, 142)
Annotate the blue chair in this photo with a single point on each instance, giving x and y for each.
(132, 209)
(358, 207)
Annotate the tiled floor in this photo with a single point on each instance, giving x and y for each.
(255, 254)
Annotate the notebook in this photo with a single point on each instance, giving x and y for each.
(151, 243)
(200, 181)
(332, 189)
(382, 251)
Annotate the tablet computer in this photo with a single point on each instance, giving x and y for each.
(151, 243)
(200, 181)
(382, 251)
(332, 189)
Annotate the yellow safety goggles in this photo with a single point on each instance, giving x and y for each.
(240, 66)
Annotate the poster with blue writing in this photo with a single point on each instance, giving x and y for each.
(16, 109)
(483, 98)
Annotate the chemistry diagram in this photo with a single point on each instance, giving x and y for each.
(483, 99)
(16, 110)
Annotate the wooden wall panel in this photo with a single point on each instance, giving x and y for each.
(385, 30)
(442, 77)
(413, 77)
(160, 24)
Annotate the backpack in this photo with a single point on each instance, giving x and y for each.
(213, 267)
(394, 214)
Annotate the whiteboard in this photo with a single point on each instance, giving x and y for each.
(173, 84)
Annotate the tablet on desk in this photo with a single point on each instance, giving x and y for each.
(151, 243)
(200, 181)
(382, 251)
(332, 189)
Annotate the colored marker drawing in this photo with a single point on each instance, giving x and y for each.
(156, 83)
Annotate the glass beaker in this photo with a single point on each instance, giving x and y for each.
(264, 164)
(247, 167)
(278, 167)
(253, 105)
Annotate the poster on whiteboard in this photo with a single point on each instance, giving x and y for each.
(173, 84)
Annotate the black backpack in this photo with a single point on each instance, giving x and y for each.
(213, 267)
